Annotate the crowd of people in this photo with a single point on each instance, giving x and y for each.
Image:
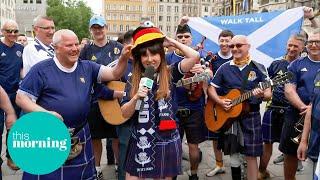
(61, 75)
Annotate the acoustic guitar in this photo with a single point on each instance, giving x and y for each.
(216, 117)
(110, 109)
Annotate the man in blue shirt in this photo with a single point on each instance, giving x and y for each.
(105, 52)
(222, 56)
(299, 94)
(243, 74)
(10, 69)
(273, 117)
(190, 110)
(62, 86)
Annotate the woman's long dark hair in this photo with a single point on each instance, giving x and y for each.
(154, 47)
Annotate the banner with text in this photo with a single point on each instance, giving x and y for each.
(267, 32)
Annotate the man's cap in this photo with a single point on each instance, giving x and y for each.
(99, 20)
(183, 29)
(146, 34)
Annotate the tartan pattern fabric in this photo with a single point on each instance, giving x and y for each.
(272, 123)
(252, 135)
(82, 167)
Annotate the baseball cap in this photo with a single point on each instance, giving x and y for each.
(99, 20)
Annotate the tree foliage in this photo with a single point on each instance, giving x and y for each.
(70, 14)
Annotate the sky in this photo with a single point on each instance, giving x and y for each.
(96, 5)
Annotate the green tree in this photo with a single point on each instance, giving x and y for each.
(70, 14)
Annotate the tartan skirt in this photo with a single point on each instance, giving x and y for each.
(272, 123)
(81, 167)
(252, 135)
(166, 160)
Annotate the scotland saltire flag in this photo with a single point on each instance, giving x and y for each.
(267, 32)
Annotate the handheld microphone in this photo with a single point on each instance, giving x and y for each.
(146, 81)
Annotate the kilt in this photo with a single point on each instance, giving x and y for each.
(81, 168)
(252, 135)
(212, 135)
(166, 160)
(193, 126)
(272, 123)
(286, 145)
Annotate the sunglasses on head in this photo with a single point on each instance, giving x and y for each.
(185, 36)
(11, 31)
(236, 45)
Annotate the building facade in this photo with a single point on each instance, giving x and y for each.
(26, 11)
(7, 10)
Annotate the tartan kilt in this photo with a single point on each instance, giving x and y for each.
(287, 146)
(272, 123)
(81, 167)
(252, 135)
(167, 157)
(212, 135)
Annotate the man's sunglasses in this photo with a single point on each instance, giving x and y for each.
(185, 36)
(15, 31)
(46, 27)
(236, 45)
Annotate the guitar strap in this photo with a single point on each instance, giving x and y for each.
(245, 80)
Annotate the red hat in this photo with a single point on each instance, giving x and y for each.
(146, 34)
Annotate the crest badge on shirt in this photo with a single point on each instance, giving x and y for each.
(252, 76)
(19, 53)
(93, 58)
(116, 51)
(82, 80)
(280, 72)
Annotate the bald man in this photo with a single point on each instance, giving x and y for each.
(244, 136)
(11, 66)
(73, 107)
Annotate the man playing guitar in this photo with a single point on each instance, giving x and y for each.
(243, 74)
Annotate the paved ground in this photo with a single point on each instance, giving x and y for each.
(208, 162)
(276, 171)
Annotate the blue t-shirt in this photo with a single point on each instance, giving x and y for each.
(66, 93)
(182, 93)
(278, 67)
(10, 67)
(229, 77)
(304, 71)
(106, 55)
(217, 62)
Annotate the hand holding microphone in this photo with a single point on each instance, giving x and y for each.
(145, 85)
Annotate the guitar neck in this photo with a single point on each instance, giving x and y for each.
(249, 94)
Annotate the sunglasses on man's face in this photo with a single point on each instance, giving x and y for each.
(236, 45)
(183, 36)
(310, 43)
(15, 31)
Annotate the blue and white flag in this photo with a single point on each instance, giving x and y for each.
(267, 32)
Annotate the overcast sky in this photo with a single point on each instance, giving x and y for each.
(95, 5)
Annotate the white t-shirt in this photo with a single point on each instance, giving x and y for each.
(33, 53)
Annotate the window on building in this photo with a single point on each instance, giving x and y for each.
(31, 1)
(168, 28)
(177, 1)
(206, 9)
(160, 18)
(38, 1)
(168, 8)
(114, 28)
(176, 9)
(161, 8)
(121, 28)
(176, 18)
(127, 28)
(160, 27)
(168, 18)
(25, 1)
(127, 7)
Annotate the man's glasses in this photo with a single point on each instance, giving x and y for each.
(15, 31)
(46, 27)
(310, 43)
(236, 45)
(183, 36)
